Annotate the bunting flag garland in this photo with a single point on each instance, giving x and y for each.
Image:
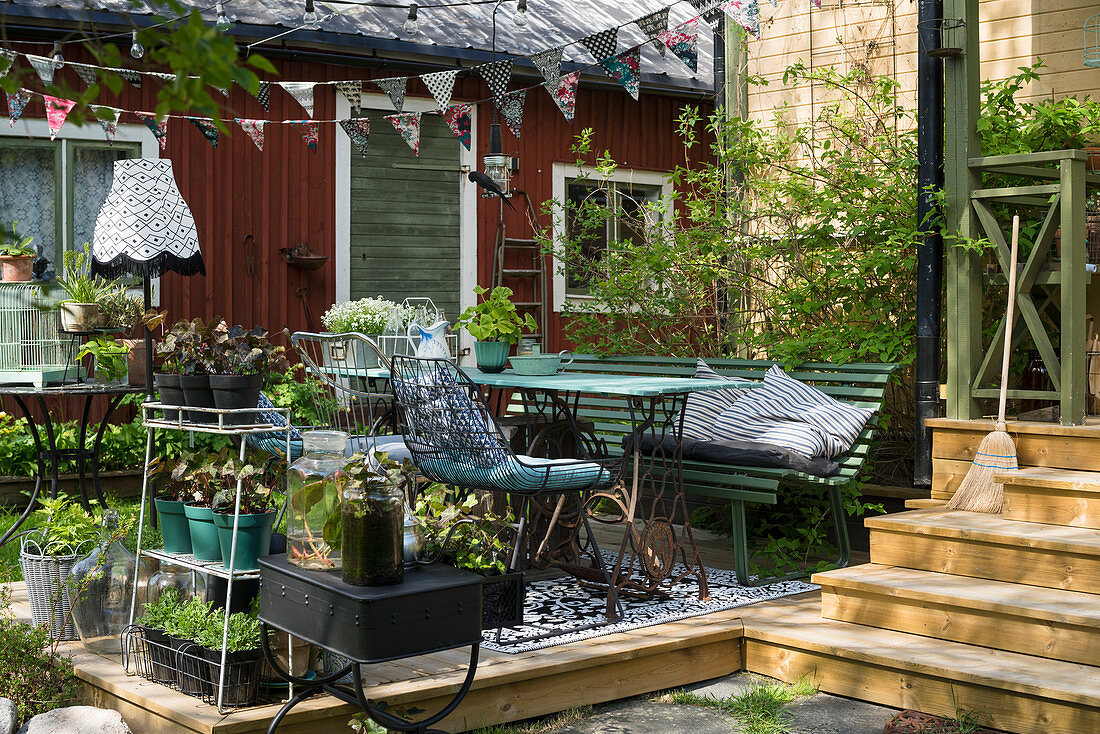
(16, 102)
(708, 9)
(10, 56)
(565, 93)
(683, 41)
(817, 3)
(353, 92)
(457, 118)
(159, 128)
(162, 76)
(602, 45)
(207, 128)
(624, 69)
(358, 130)
(511, 109)
(86, 73)
(308, 130)
(441, 84)
(653, 25)
(56, 112)
(407, 124)
(496, 75)
(302, 92)
(254, 129)
(745, 13)
(131, 76)
(549, 63)
(223, 90)
(263, 95)
(395, 88)
(43, 66)
(108, 120)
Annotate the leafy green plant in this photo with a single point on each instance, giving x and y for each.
(189, 620)
(296, 389)
(121, 310)
(495, 318)
(64, 526)
(189, 347)
(247, 352)
(32, 676)
(76, 280)
(160, 613)
(464, 531)
(256, 483)
(244, 632)
(110, 357)
(13, 244)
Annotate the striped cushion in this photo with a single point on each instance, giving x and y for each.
(785, 412)
(702, 409)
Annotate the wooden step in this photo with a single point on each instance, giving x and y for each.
(1052, 496)
(1049, 623)
(923, 503)
(988, 547)
(788, 639)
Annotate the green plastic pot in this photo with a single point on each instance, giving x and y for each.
(204, 535)
(253, 538)
(174, 527)
(491, 356)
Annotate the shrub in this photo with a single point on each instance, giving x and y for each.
(31, 674)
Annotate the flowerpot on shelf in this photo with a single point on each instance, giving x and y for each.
(169, 392)
(159, 656)
(491, 356)
(253, 539)
(237, 391)
(79, 317)
(135, 362)
(192, 670)
(18, 269)
(197, 394)
(174, 526)
(204, 534)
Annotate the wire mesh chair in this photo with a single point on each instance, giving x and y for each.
(454, 439)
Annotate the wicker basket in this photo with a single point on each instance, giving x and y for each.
(49, 594)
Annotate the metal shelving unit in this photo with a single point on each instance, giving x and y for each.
(154, 418)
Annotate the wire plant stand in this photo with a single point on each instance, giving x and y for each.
(225, 690)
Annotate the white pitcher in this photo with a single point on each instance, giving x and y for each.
(433, 340)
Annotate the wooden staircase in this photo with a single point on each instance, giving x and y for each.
(998, 615)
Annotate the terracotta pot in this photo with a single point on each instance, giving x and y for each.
(135, 362)
(16, 269)
(79, 317)
(1093, 163)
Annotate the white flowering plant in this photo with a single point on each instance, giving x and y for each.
(366, 316)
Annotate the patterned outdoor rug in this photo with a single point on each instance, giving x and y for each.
(556, 608)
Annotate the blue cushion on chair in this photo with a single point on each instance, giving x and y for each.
(564, 475)
(275, 441)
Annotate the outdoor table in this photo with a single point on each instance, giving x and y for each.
(51, 453)
(435, 608)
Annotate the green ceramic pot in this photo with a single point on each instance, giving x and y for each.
(174, 526)
(204, 535)
(253, 538)
(491, 356)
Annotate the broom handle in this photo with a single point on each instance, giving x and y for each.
(1008, 323)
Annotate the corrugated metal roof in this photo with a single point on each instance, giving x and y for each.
(442, 30)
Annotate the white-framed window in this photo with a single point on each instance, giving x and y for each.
(637, 194)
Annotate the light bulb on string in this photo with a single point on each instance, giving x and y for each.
(222, 23)
(520, 18)
(136, 49)
(56, 57)
(412, 26)
(310, 16)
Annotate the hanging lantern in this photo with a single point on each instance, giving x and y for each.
(942, 38)
(498, 165)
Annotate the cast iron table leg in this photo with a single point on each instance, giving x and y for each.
(81, 454)
(94, 454)
(39, 472)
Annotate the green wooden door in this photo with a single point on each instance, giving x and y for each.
(405, 220)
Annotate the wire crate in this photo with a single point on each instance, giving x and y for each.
(31, 348)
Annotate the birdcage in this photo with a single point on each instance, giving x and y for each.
(31, 348)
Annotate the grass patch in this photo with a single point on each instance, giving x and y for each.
(759, 709)
(541, 725)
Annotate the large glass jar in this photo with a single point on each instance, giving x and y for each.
(313, 520)
(102, 585)
(172, 577)
(373, 534)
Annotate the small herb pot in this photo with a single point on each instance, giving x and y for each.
(197, 394)
(169, 392)
(242, 675)
(18, 269)
(204, 534)
(491, 356)
(161, 656)
(253, 538)
(79, 317)
(174, 526)
(237, 391)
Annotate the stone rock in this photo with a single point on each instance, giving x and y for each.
(8, 716)
(77, 720)
(643, 717)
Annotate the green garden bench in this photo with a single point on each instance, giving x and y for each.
(860, 384)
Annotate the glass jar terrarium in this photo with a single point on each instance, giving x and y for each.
(102, 584)
(313, 523)
(373, 533)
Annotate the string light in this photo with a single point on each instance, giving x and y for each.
(520, 18)
(412, 26)
(310, 15)
(222, 23)
(58, 59)
(136, 49)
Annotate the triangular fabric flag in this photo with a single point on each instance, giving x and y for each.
(358, 130)
(86, 73)
(254, 129)
(683, 41)
(817, 3)
(395, 88)
(496, 75)
(353, 92)
(223, 90)
(131, 76)
(549, 63)
(162, 76)
(745, 13)
(302, 92)
(108, 120)
(43, 66)
(624, 69)
(511, 109)
(159, 128)
(457, 118)
(16, 102)
(653, 25)
(308, 130)
(9, 56)
(708, 9)
(565, 93)
(263, 95)
(56, 112)
(602, 45)
(208, 129)
(407, 124)
(441, 84)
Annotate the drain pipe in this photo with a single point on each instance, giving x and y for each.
(930, 147)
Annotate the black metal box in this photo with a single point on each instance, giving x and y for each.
(435, 608)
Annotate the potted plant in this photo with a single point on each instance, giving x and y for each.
(256, 516)
(155, 620)
(496, 325)
(110, 358)
(16, 256)
(189, 348)
(369, 316)
(122, 312)
(172, 495)
(80, 306)
(243, 655)
(372, 522)
(206, 478)
(246, 357)
(183, 629)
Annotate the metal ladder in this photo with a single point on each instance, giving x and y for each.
(506, 272)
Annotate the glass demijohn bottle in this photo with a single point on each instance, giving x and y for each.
(373, 533)
(102, 584)
(313, 520)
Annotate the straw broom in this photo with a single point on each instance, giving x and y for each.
(997, 451)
